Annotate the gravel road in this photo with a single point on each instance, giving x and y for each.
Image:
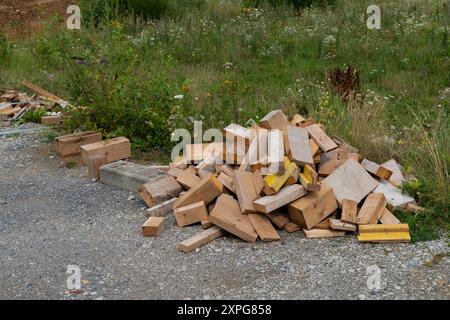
(52, 216)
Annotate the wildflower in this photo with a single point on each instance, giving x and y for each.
(228, 82)
(209, 94)
(178, 97)
(185, 89)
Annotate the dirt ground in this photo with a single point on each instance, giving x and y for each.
(22, 18)
(52, 216)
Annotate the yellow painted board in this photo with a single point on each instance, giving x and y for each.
(385, 237)
(276, 181)
(384, 228)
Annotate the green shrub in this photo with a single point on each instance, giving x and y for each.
(34, 116)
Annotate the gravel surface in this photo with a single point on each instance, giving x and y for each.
(52, 216)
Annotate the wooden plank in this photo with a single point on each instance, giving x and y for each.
(161, 209)
(337, 224)
(115, 149)
(190, 214)
(158, 191)
(308, 178)
(238, 133)
(227, 215)
(275, 147)
(274, 182)
(226, 181)
(69, 145)
(372, 209)
(349, 211)
(275, 120)
(323, 233)
(350, 181)
(299, 146)
(200, 239)
(206, 224)
(313, 208)
(314, 147)
(258, 182)
(94, 164)
(245, 190)
(388, 218)
(153, 227)
(291, 227)
(325, 143)
(207, 190)
(414, 208)
(376, 170)
(175, 172)
(397, 177)
(384, 233)
(50, 120)
(263, 227)
(285, 196)
(5, 107)
(293, 178)
(278, 218)
(329, 167)
(41, 91)
(344, 145)
(395, 197)
(188, 179)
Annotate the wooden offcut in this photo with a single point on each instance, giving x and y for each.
(227, 215)
(313, 208)
(372, 209)
(69, 145)
(153, 227)
(349, 211)
(161, 209)
(114, 150)
(337, 224)
(384, 233)
(274, 182)
(206, 189)
(388, 218)
(323, 233)
(325, 143)
(158, 191)
(245, 190)
(286, 195)
(350, 181)
(190, 214)
(188, 179)
(291, 227)
(299, 146)
(279, 218)
(200, 239)
(51, 120)
(263, 227)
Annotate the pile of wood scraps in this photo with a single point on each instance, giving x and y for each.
(283, 174)
(14, 104)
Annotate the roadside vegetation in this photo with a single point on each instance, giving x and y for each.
(143, 70)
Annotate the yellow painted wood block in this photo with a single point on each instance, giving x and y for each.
(384, 233)
(276, 181)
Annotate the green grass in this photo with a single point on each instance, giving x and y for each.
(234, 63)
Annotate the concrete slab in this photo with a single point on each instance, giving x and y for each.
(127, 175)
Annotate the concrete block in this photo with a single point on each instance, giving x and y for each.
(127, 175)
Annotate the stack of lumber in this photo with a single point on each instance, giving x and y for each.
(285, 174)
